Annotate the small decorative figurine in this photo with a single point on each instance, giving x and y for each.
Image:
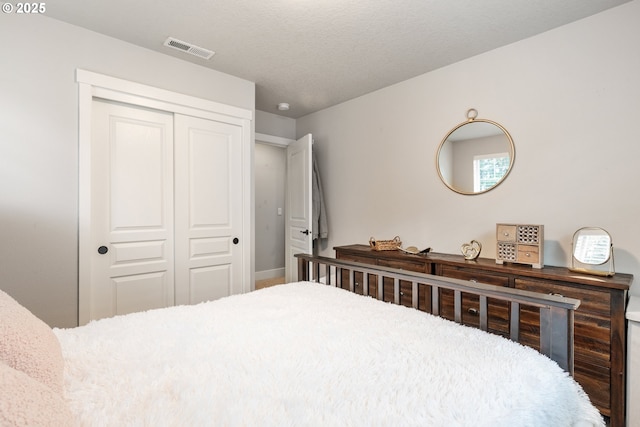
(471, 250)
(415, 251)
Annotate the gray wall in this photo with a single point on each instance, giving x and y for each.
(270, 180)
(570, 99)
(39, 146)
(275, 125)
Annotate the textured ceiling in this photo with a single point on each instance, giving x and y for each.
(317, 53)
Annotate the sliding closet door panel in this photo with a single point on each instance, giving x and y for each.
(131, 209)
(140, 292)
(208, 209)
(201, 280)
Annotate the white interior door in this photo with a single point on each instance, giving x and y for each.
(208, 210)
(298, 232)
(131, 210)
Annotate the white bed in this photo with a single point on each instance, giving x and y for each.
(307, 354)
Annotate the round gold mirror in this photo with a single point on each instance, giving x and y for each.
(475, 156)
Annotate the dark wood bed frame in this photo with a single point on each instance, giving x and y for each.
(556, 312)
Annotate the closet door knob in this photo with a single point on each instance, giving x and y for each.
(235, 240)
(103, 250)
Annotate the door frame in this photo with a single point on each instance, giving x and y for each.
(282, 143)
(93, 85)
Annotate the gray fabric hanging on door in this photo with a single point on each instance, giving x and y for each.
(319, 225)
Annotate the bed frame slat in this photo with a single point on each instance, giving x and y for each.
(365, 285)
(457, 305)
(556, 326)
(396, 290)
(514, 321)
(435, 300)
(556, 312)
(484, 313)
(352, 280)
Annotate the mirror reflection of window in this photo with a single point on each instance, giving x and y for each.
(489, 169)
(475, 157)
(592, 248)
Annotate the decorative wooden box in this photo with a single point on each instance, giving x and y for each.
(520, 243)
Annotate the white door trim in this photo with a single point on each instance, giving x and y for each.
(123, 89)
(276, 141)
(93, 85)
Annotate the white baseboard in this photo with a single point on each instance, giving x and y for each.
(269, 274)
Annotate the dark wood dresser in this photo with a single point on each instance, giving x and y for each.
(599, 325)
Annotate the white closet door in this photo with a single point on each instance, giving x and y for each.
(131, 210)
(208, 209)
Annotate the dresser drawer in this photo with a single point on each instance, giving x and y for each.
(506, 233)
(474, 275)
(592, 335)
(497, 311)
(592, 301)
(403, 265)
(406, 291)
(356, 258)
(358, 286)
(528, 254)
(595, 382)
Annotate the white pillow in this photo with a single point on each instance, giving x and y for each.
(29, 345)
(27, 402)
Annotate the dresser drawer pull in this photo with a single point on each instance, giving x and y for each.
(473, 311)
(556, 294)
(401, 293)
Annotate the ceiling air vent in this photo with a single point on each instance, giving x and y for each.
(189, 48)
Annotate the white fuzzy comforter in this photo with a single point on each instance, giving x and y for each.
(307, 354)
